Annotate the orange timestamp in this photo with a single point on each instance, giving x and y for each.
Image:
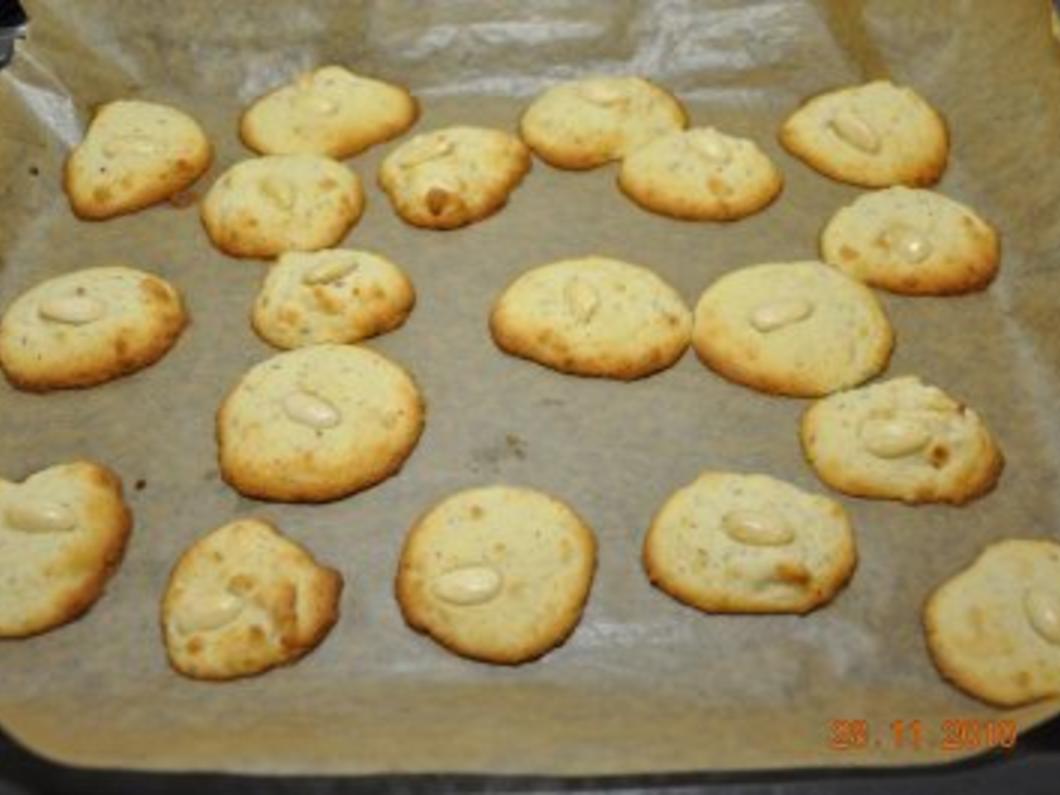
(948, 734)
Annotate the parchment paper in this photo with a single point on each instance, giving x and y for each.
(645, 684)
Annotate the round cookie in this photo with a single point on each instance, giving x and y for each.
(901, 440)
(700, 175)
(732, 543)
(87, 327)
(454, 176)
(244, 599)
(62, 535)
(593, 316)
(498, 574)
(801, 329)
(994, 629)
(318, 423)
(337, 295)
(134, 154)
(265, 206)
(915, 242)
(877, 135)
(327, 111)
(585, 123)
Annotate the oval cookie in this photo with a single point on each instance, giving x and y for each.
(586, 123)
(731, 543)
(134, 154)
(877, 135)
(593, 316)
(327, 111)
(63, 532)
(498, 574)
(915, 242)
(454, 176)
(87, 327)
(700, 175)
(336, 295)
(244, 599)
(800, 329)
(901, 440)
(318, 423)
(268, 205)
(994, 629)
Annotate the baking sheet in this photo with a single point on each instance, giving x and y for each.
(645, 684)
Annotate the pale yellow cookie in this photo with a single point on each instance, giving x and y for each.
(134, 154)
(327, 111)
(63, 532)
(244, 599)
(901, 440)
(877, 135)
(87, 327)
(733, 543)
(994, 629)
(265, 206)
(700, 175)
(916, 242)
(801, 329)
(586, 123)
(498, 574)
(453, 176)
(318, 423)
(593, 316)
(336, 295)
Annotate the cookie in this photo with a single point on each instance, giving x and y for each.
(586, 123)
(134, 154)
(318, 423)
(268, 205)
(994, 629)
(801, 329)
(328, 111)
(901, 440)
(593, 316)
(87, 327)
(915, 242)
(877, 135)
(453, 176)
(337, 295)
(732, 543)
(498, 574)
(63, 532)
(700, 175)
(244, 599)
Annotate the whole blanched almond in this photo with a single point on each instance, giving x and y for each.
(468, 585)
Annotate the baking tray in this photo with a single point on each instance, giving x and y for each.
(645, 685)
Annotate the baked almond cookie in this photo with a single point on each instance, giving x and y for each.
(994, 629)
(328, 111)
(244, 599)
(731, 543)
(801, 329)
(700, 175)
(134, 154)
(916, 242)
(877, 135)
(901, 440)
(265, 206)
(593, 316)
(87, 327)
(63, 532)
(318, 423)
(453, 176)
(586, 123)
(498, 574)
(337, 295)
